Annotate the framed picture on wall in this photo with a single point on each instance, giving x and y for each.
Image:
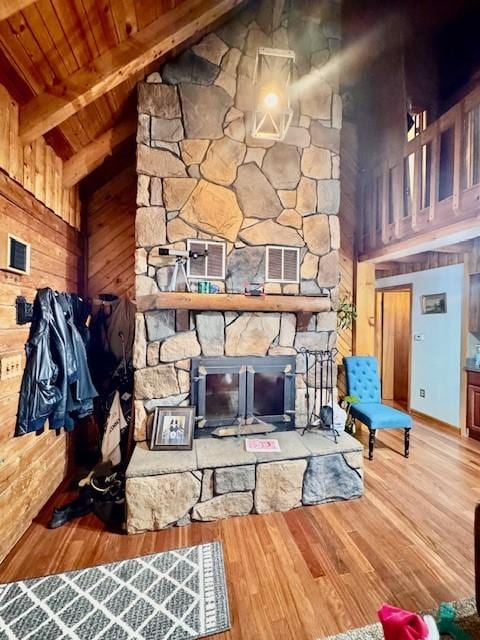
(434, 303)
(172, 428)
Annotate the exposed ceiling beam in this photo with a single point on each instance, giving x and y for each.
(269, 15)
(415, 258)
(457, 231)
(51, 108)
(459, 247)
(90, 157)
(386, 266)
(9, 7)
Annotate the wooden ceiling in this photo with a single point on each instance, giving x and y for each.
(73, 65)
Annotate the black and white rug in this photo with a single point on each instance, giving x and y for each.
(165, 596)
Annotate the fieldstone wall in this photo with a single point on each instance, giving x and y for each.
(202, 175)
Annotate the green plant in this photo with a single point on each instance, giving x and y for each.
(346, 313)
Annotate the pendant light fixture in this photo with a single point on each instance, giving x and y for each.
(272, 113)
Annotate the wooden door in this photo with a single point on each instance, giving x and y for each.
(393, 343)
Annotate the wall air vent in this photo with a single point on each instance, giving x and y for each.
(208, 267)
(283, 264)
(14, 254)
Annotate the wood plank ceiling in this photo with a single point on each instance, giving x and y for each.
(73, 65)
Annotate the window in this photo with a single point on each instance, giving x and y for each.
(416, 123)
(210, 266)
(282, 264)
(408, 182)
(447, 147)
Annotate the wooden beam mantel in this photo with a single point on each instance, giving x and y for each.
(59, 102)
(9, 7)
(233, 302)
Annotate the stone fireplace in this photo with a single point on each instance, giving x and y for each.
(202, 177)
(258, 391)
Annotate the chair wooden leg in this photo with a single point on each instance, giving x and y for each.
(407, 443)
(371, 443)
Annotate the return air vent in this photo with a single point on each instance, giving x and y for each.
(282, 264)
(209, 267)
(14, 254)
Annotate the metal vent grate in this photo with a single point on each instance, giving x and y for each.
(283, 264)
(17, 255)
(209, 267)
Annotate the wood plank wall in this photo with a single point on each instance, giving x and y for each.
(110, 213)
(35, 166)
(348, 216)
(31, 467)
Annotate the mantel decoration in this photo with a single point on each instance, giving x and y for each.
(272, 113)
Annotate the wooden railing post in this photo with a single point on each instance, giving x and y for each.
(384, 222)
(400, 200)
(417, 175)
(435, 168)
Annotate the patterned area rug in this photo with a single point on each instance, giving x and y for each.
(466, 618)
(169, 596)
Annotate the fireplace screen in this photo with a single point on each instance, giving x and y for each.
(222, 395)
(234, 390)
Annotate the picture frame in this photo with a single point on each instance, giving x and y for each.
(172, 429)
(434, 303)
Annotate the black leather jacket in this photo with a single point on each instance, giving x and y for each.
(56, 382)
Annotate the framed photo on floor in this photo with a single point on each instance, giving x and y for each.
(172, 428)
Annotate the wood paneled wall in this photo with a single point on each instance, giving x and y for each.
(348, 210)
(31, 467)
(110, 212)
(35, 166)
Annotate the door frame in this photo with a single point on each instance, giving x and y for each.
(408, 287)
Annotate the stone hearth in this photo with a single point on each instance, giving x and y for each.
(219, 479)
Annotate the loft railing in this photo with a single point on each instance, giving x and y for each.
(433, 185)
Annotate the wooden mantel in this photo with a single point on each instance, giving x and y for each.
(233, 302)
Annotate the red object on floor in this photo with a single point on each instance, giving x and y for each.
(399, 624)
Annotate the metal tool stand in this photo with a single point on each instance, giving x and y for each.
(320, 411)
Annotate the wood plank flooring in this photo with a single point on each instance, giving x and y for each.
(319, 570)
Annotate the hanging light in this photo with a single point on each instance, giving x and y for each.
(272, 113)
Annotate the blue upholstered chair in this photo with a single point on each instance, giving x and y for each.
(364, 383)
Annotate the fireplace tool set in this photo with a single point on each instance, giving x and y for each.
(319, 368)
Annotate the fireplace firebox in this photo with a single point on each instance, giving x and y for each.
(244, 390)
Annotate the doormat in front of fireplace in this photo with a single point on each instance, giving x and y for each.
(173, 595)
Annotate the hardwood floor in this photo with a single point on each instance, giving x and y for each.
(319, 570)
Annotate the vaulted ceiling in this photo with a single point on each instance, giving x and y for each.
(72, 65)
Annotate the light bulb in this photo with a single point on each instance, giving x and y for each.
(271, 100)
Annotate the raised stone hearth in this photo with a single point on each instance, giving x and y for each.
(219, 479)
